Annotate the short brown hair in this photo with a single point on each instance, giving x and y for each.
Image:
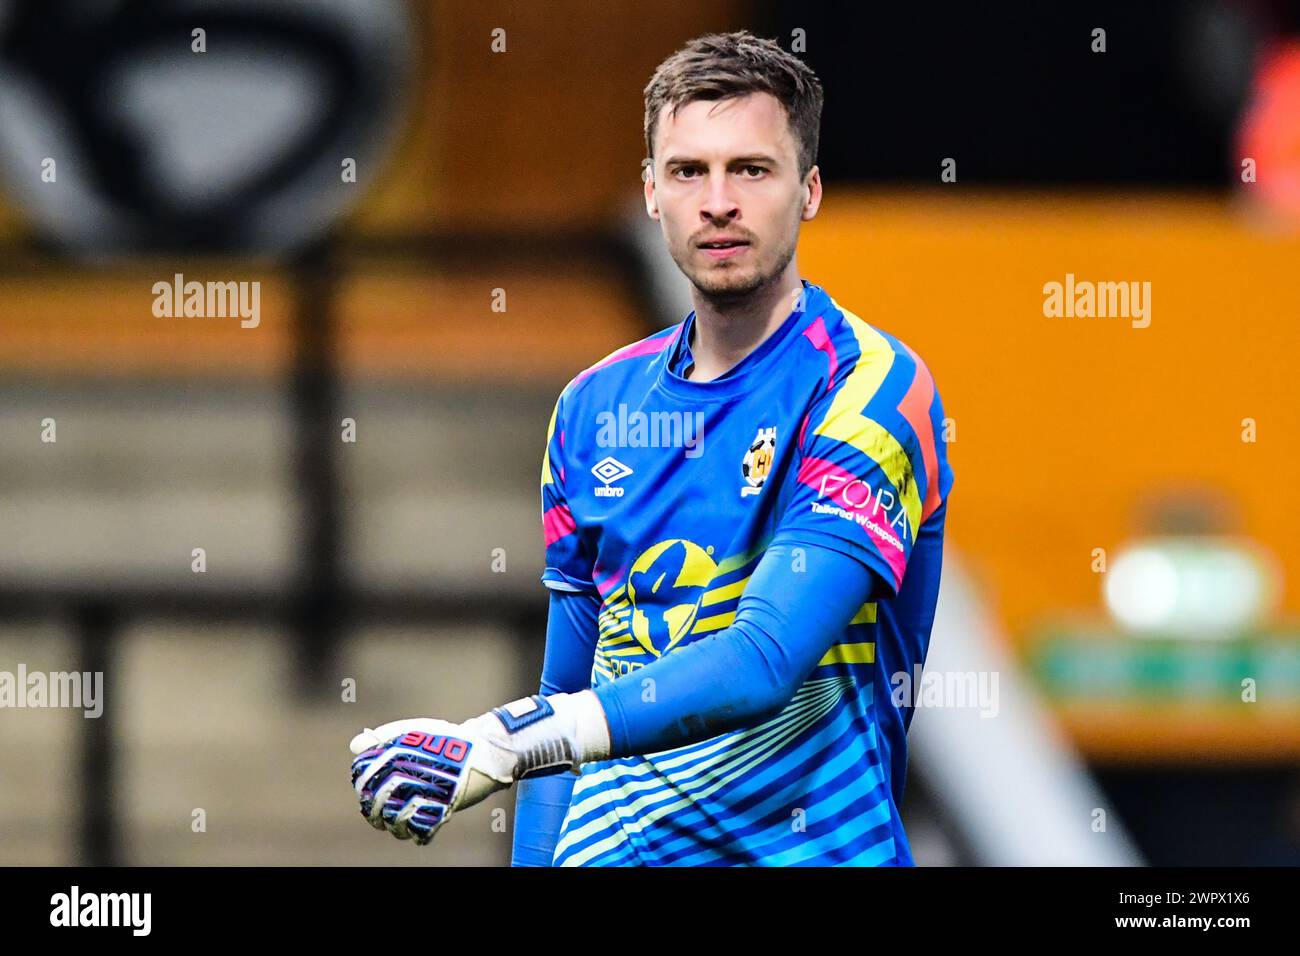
(722, 65)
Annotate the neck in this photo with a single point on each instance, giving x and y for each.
(727, 330)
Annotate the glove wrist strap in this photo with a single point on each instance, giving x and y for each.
(555, 733)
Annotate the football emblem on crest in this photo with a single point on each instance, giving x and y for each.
(758, 461)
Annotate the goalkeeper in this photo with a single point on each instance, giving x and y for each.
(733, 594)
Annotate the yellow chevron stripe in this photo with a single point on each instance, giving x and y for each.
(866, 614)
(547, 477)
(714, 623)
(636, 651)
(726, 592)
(727, 565)
(845, 422)
(862, 653)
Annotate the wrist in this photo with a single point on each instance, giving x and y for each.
(559, 732)
(590, 727)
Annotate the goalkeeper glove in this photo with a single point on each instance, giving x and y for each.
(412, 775)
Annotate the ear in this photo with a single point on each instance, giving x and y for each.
(812, 194)
(648, 179)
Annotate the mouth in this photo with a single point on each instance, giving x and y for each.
(723, 248)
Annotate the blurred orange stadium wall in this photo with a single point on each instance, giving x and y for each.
(1066, 426)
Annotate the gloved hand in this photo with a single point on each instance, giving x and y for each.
(411, 775)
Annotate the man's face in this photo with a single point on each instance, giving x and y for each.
(728, 171)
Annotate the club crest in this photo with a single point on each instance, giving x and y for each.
(758, 461)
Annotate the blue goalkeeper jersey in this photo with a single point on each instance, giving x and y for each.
(660, 494)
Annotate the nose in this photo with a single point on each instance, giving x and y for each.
(719, 205)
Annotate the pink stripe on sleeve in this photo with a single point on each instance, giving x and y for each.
(652, 346)
(854, 500)
(556, 523)
(816, 334)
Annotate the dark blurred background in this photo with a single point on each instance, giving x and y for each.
(439, 205)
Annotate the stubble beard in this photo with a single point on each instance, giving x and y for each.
(724, 286)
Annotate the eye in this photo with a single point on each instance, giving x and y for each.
(754, 171)
(681, 171)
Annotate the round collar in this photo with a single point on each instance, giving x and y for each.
(740, 377)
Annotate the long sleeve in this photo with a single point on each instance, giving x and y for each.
(542, 802)
(791, 613)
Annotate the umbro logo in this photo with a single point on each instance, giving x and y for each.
(608, 470)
